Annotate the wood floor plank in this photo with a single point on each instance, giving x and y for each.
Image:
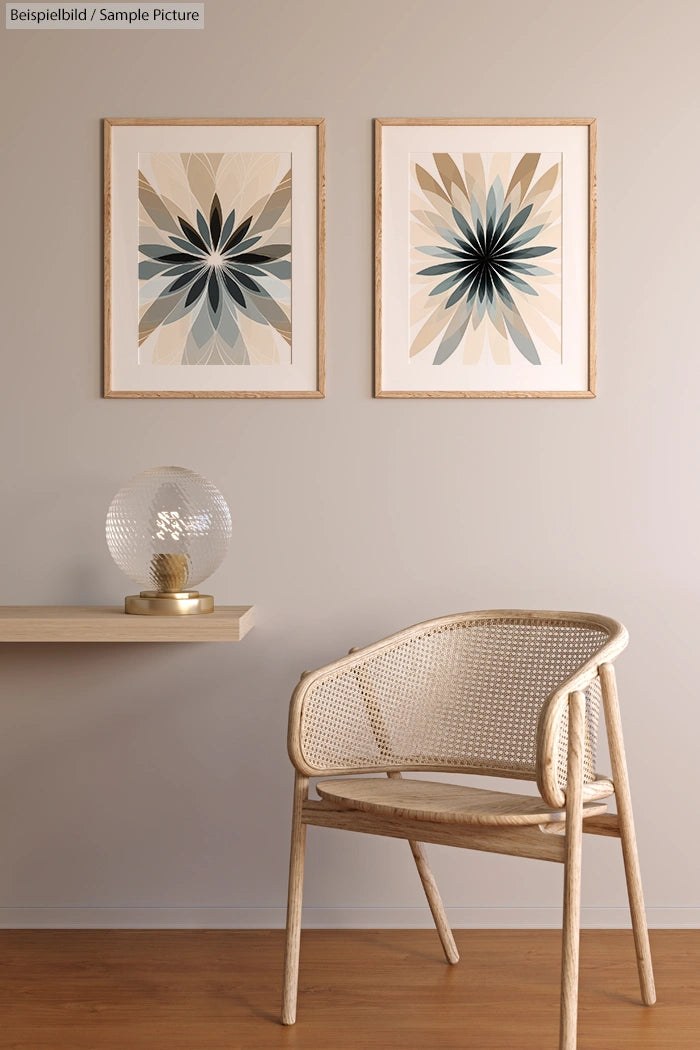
(359, 990)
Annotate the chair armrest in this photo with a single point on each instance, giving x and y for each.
(552, 730)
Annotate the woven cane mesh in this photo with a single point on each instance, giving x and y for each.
(593, 701)
(461, 694)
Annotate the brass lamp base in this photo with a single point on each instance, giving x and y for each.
(168, 603)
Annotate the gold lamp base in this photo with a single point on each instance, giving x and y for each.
(168, 603)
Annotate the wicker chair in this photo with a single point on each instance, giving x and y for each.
(507, 693)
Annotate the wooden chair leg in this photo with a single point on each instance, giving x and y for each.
(572, 874)
(435, 903)
(627, 835)
(294, 900)
(432, 893)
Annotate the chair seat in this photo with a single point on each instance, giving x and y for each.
(443, 803)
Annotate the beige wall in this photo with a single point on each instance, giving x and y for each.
(150, 784)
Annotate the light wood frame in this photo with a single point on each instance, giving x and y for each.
(380, 388)
(495, 827)
(109, 388)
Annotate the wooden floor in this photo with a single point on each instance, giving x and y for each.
(360, 990)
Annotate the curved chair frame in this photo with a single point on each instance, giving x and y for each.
(563, 768)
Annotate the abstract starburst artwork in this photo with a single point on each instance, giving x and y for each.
(214, 257)
(489, 225)
(485, 269)
(214, 247)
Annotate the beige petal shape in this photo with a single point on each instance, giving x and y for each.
(262, 179)
(499, 324)
(169, 179)
(428, 184)
(473, 166)
(428, 219)
(449, 173)
(154, 210)
(275, 316)
(167, 344)
(265, 345)
(271, 209)
(500, 166)
(522, 176)
(551, 236)
(542, 188)
(474, 342)
(433, 327)
(461, 201)
(549, 217)
(153, 314)
(499, 345)
(200, 176)
(442, 206)
(541, 331)
(544, 303)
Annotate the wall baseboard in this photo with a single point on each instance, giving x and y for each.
(331, 918)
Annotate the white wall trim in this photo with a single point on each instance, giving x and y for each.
(331, 918)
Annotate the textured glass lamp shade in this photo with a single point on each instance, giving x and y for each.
(168, 529)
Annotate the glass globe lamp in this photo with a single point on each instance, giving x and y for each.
(168, 529)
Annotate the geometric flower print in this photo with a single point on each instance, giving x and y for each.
(214, 258)
(490, 225)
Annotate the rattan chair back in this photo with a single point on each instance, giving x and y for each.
(478, 693)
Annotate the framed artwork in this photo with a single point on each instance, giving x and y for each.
(485, 251)
(214, 258)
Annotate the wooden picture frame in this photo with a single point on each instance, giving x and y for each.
(214, 268)
(485, 238)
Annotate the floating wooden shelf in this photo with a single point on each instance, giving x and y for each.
(107, 623)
